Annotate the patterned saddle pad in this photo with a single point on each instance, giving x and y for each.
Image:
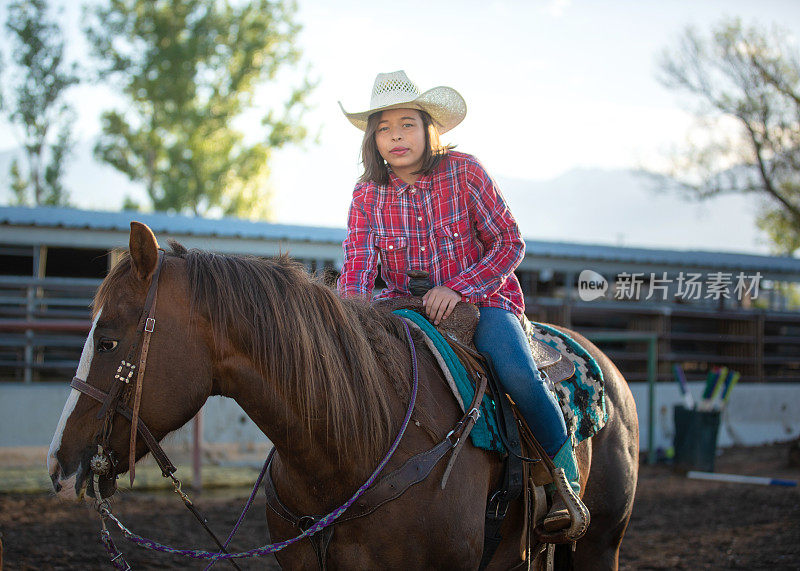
(484, 433)
(582, 396)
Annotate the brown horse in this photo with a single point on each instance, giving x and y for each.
(328, 380)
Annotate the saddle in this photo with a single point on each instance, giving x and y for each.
(460, 327)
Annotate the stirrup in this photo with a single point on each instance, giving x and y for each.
(577, 518)
(558, 517)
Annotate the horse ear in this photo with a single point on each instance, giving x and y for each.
(144, 250)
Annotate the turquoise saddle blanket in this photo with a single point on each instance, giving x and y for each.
(484, 433)
(581, 397)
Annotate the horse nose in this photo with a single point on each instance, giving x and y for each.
(54, 477)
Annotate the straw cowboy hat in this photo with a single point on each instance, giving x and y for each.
(395, 91)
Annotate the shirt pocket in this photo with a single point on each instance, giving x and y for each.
(454, 242)
(394, 259)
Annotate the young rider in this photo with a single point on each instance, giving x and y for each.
(421, 205)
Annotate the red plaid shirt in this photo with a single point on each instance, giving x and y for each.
(452, 223)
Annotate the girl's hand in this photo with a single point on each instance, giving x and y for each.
(439, 303)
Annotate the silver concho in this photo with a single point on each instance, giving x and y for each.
(100, 464)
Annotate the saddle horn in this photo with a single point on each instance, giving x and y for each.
(420, 282)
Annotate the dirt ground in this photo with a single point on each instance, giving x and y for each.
(677, 523)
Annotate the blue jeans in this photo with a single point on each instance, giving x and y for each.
(500, 334)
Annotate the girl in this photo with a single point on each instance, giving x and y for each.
(421, 205)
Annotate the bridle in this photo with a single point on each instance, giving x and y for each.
(104, 462)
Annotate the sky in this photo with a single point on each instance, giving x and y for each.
(551, 85)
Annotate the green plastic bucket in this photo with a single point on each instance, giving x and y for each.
(695, 440)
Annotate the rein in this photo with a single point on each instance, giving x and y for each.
(104, 508)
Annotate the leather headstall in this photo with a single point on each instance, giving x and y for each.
(121, 391)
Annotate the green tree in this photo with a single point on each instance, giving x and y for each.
(189, 69)
(749, 78)
(38, 80)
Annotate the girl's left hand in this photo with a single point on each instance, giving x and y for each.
(439, 303)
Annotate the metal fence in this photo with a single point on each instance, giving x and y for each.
(43, 326)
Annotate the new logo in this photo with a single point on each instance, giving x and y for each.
(591, 285)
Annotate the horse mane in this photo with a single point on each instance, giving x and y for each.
(328, 357)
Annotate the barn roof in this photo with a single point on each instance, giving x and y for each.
(175, 224)
(235, 228)
(689, 258)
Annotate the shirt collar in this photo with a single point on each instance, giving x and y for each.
(422, 183)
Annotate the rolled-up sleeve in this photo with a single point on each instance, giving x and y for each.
(360, 256)
(497, 230)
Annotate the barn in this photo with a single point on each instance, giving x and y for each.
(700, 308)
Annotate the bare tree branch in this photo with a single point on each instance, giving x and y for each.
(752, 76)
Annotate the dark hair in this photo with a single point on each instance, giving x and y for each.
(375, 167)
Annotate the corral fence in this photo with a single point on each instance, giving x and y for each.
(44, 322)
(43, 326)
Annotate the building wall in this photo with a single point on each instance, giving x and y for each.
(756, 414)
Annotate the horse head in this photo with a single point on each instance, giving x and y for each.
(174, 386)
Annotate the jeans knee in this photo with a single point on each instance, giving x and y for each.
(522, 379)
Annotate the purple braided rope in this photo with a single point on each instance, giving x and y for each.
(117, 558)
(244, 511)
(321, 524)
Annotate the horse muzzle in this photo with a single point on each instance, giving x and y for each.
(66, 486)
(74, 486)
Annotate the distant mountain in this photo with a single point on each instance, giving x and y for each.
(623, 207)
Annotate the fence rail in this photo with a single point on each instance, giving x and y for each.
(43, 326)
(44, 321)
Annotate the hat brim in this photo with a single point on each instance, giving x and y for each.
(444, 104)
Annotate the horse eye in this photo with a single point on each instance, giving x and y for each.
(106, 345)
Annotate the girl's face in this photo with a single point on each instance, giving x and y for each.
(400, 138)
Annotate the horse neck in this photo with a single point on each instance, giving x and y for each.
(317, 459)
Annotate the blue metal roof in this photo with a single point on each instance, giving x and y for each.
(68, 218)
(159, 222)
(688, 258)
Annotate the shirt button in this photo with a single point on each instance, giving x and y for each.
(485, 296)
(391, 247)
(423, 248)
(455, 234)
(419, 218)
